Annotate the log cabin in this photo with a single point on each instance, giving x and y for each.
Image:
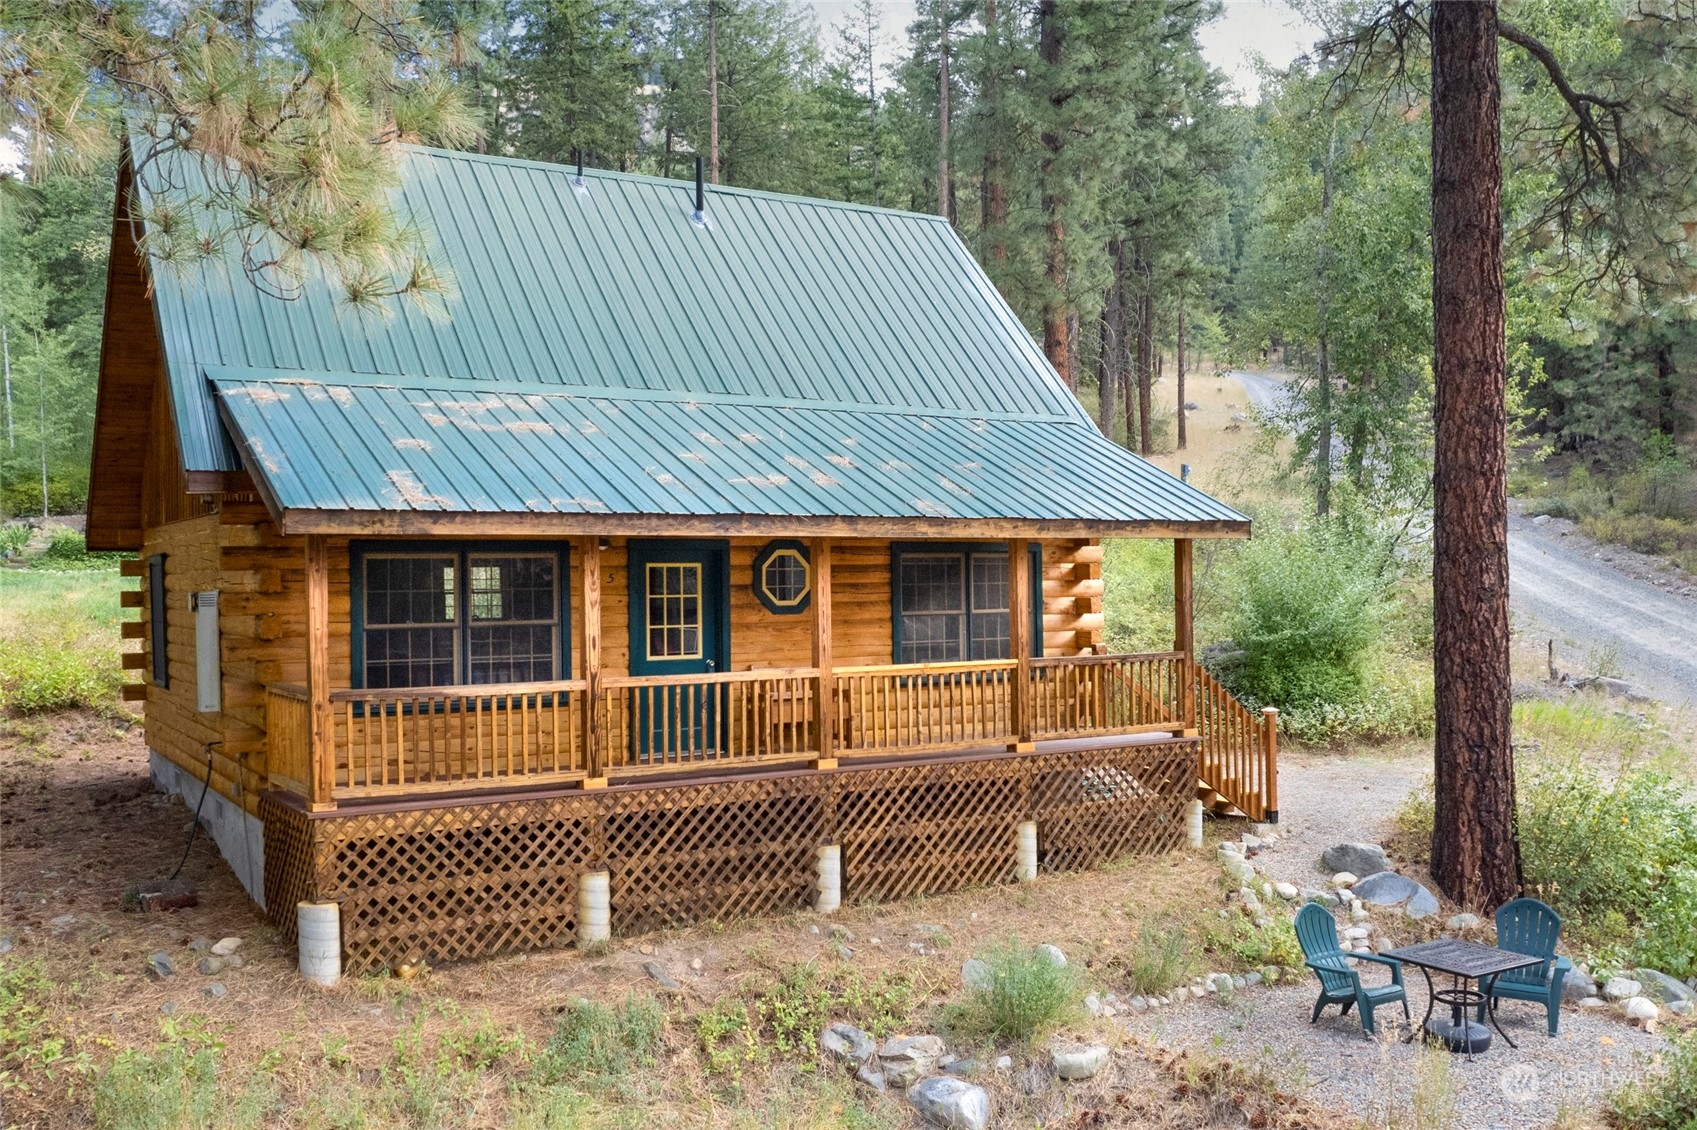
(708, 535)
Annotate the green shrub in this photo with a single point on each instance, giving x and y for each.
(592, 1042)
(1645, 533)
(1160, 959)
(1137, 601)
(1307, 610)
(1667, 1098)
(1027, 995)
(28, 1040)
(1248, 946)
(13, 537)
(178, 1085)
(1670, 924)
(58, 640)
(786, 1015)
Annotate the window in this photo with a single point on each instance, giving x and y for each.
(157, 632)
(783, 577)
(951, 604)
(450, 616)
(674, 610)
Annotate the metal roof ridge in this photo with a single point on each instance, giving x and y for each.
(688, 186)
(225, 374)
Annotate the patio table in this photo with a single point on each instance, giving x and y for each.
(1464, 961)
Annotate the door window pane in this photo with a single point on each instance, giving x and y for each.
(674, 610)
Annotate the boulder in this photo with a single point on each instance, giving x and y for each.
(1593, 1002)
(1359, 859)
(944, 1100)
(1053, 953)
(1681, 1008)
(1621, 988)
(159, 965)
(1661, 988)
(1464, 922)
(1219, 983)
(1251, 904)
(1286, 890)
(657, 973)
(1344, 879)
(1387, 888)
(1080, 1061)
(1639, 1008)
(847, 1044)
(910, 1058)
(224, 947)
(976, 974)
(1577, 985)
(872, 1077)
(1237, 869)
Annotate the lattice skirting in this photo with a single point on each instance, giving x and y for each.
(474, 879)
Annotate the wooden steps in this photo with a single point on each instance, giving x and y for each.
(1215, 801)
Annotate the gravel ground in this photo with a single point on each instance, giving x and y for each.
(1326, 800)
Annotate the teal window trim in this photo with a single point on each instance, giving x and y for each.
(767, 552)
(158, 621)
(966, 549)
(461, 551)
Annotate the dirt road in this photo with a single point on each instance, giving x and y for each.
(1569, 589)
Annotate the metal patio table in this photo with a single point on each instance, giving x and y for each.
(1464, 961)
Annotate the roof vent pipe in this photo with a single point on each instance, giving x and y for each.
(579, 186)
(700, 193)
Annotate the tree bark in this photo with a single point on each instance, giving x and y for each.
(1145, 370)
(1323, 442)
(1057, 344)
(1475, 855)
(1111, 364)
(943, 114)
(994, 199)
(1178, 373)
(713, 89)
(1106, 377)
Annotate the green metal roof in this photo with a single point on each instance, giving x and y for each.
(605, 353)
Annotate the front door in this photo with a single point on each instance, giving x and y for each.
(679, 625)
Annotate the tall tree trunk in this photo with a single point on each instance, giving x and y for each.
(993, 202)
(1107, 377)
(1475, 855)
(1323, 442)
(1128, 392)
(713, 89)
(943, 114)
(1145, 358)
(1056, 342)
(872, 109)
(1178, 371)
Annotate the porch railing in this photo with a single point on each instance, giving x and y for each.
(926, 706)
(740, 717)
(396, 742)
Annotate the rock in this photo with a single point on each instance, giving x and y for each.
(6, 943)
(224, 947)
(1002, 1062)
(1387, 888)
(1681, 1008)
(1324, 898)
(1192, 407)
(1250, 902)
(1358, 859)
(926, 928)
(1464, 922)
(1621, 988)
(1239, 983)
(201, 945)
(168, 1008)
(965, 1068)
(1663, 989)
(1251, 979)
(216, 989)
(1270, 974)
(1359, 913)
(910, 1058)
(1237, 870)
(1593, 1002)
(1078, 1061)
(159, 965)
(1286, 891)
(1229, 847)
(944, 1100)
(1639, 1008)
(1356, 933)
(1344, 879)
(657, 973)
(645, 949)
(847, 1044)
(62, 924)
(1093, 1005)
(1577, 985)
(976, 974)
(211, 966)
(1138, 1004)
(839, 933)
(1251, 843)
(1220, 982)
(695, 964)
(872, 1077)
(1054, 954)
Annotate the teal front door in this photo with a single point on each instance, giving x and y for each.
(680, 599)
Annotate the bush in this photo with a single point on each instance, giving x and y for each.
(592, 1042)
(1666, 1099)
(1307, 610)
(1670, 924)
(786, 1015)
(1137, 583)
(1028, 994)
(13, 537)
(1159, 960)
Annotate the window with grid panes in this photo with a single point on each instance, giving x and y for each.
(444, 619)
(953, 606)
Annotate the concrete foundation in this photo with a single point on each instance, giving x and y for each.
(239, 836)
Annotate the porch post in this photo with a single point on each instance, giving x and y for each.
(594, 764)
(322, 727)
(1184, 625)
(1019, 640)
(825, 716)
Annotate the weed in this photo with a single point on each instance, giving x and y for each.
(179, 1085)
(28, 1043)
(1665, 1099)
(1160, 959)
(1026, 994)
(592, 1042)
(14, 536)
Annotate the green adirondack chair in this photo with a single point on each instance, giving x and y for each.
(1530, 927)
(1339, 982)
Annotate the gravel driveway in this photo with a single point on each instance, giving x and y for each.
(1326, 800)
